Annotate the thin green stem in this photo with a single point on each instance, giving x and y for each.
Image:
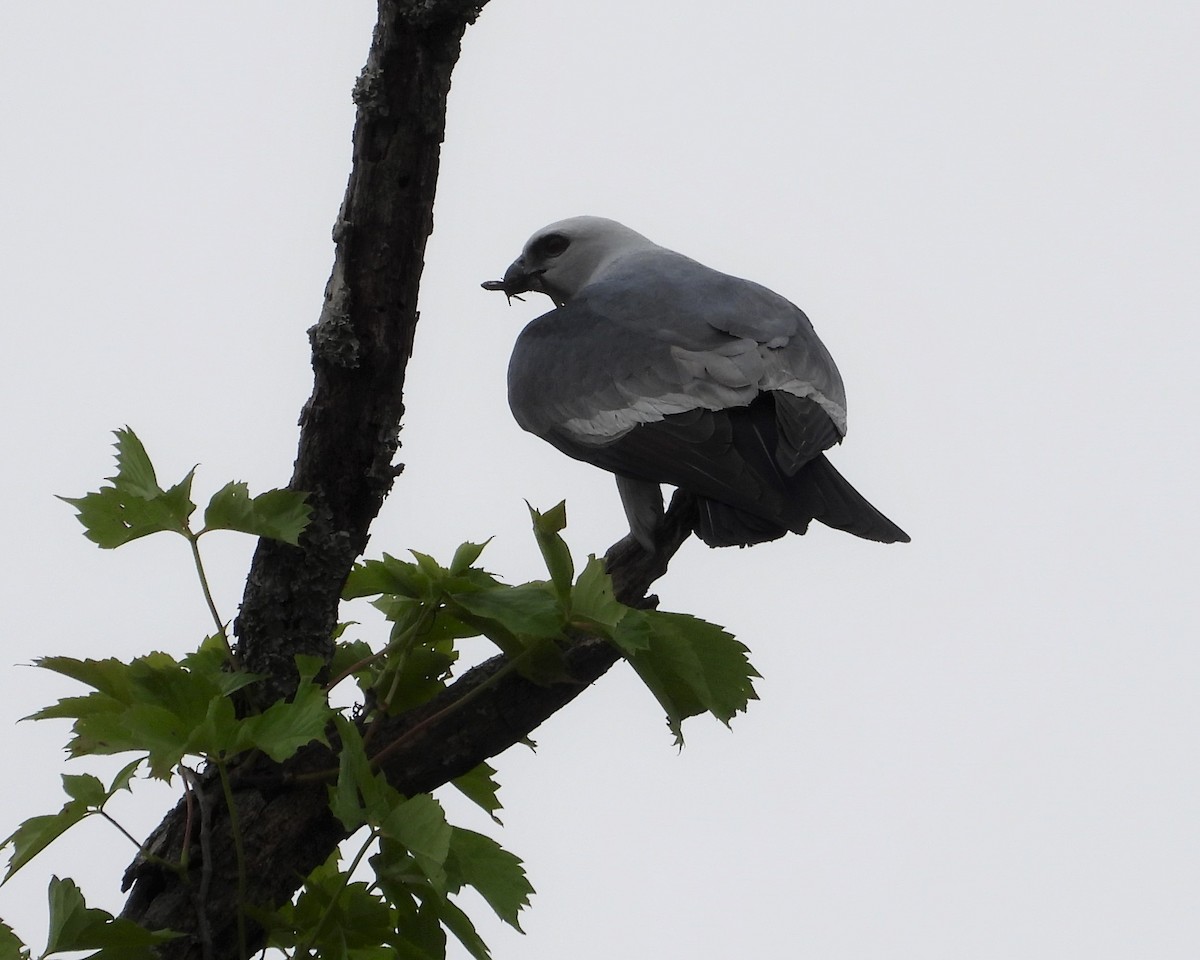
(328, 911)
(400, 648)
(194, 540)
(175, 867)
(447, 710)
(236, 830)
(128, 836)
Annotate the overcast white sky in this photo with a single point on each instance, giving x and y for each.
(980, 745)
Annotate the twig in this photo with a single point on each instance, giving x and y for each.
(192, 787)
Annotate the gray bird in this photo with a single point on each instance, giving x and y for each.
(661, 370)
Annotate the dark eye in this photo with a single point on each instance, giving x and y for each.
(551, 245)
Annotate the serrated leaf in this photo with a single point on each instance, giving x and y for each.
(465, 556)
(419, 934)
(692, 666)
(479, 861)
(360, 795)
(529, 609)
(459, 924)
(112, 518)
(135, 472)
(424, 672)
(546, 529)
(480, 787)
(85, 788)
(430, 568)
(419, 825)
(123, 777)
(76, 926)
(346, 796)
(11, 946)
(387, 576)
(348, 653)
(37, 833)
(134, 506)
(633, 632)
(592, 598)
(276, 514)
(152, 704)
(87, 794)
(542, 662)
(287, 725)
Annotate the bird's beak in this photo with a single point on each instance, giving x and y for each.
(518, 278)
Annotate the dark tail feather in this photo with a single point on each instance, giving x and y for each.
(720, 525)
(824, 494)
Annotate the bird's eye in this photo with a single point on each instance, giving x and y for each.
(551, 245)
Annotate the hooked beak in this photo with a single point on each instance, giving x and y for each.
(518, 278)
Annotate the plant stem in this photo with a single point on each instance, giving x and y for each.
(458, 704)
(194, 540)
(328, 911)
(236, 830)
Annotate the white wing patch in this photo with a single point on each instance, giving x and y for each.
(730, 376)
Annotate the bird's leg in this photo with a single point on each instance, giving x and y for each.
(633, 568)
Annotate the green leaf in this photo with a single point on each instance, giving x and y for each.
(592, 598)
(633, 632)
(692, 666)
(419, 934)
(423, 673)
(11, 946)
(37, 833)
(387, 576)
(479, 861)
(480, 786)
(123, 777)
(546, 529)
(459, 924)
(287, 725)
(542, 662)
(87, 795)
(164, 708)
(530, 609)
(334, 917)
(346, 654)
(276, 514)
(360, 795)
(135, 472)
(76, 926)
(134, 506)
(465, 556)
(85, 788)
(419, 824)
(347, 798)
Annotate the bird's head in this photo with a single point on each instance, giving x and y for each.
(563, 258)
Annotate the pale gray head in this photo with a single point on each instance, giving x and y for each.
(563, 258)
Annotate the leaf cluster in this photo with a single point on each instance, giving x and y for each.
(419, 862)
(691, 666)
(396, 895)
(133, 505)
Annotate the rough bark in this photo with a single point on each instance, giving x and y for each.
(362, 341)
(348, 442)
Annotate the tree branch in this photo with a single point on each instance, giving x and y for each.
(348, 442)
(361, 344)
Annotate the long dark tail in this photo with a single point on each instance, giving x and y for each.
(825, 495)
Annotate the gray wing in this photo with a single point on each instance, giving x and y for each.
(663, 335)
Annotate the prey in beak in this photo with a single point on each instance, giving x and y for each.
(518, 279)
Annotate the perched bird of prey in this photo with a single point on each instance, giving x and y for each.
(661, 370)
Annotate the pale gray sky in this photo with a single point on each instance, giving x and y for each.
(980, 745)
